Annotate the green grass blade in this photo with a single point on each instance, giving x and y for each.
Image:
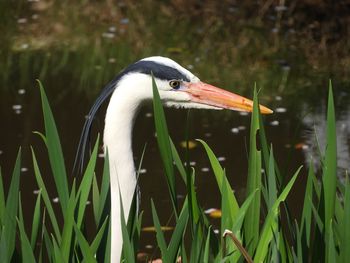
(67, 233)
(54, 148)
(57, 255)
(207, 247)
(178, 233)
(97, 240)
(9, 220)
(307, 209)
(104, 201)
(270, 224)
(85, 185)
(95, 199)
(177, 161)
(330, 165)
(220, 176)
(345, 237)
(272, 186)
(164, 142)
(128, 249)
(26, 249)
(46, 198)
(331, 253)
(36, 221)
(87, 252)
(252, 221)
(159, 234)
(48, 244)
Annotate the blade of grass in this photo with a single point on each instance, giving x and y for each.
(330, 166)
(84, 246)
(46, 198)
(345, 237)
(7, 246)
(252, 221)
(54, 148)
(159, 234)
(270, 224)
(164, 143)
(220, 176)
(85, 185)
(36, 221)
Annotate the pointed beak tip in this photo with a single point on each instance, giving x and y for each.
(265, 110)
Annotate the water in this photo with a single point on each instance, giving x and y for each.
(73, 73)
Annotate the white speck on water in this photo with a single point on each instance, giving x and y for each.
(205, 169)
(101, 155)
(17, 107)
(55, 200)
(111, 60)
(305, 147)
(274, 123)
(143, 171)
(278, 98)
(207, 134)
(21, 91)
(148, 115)
(88, 202)
(149, 246)
(221, 158)
(197, 59)
(24, 169)
(274, 30)
(36, 192)
(22, 20)
(235, 130)
(190, 66)
(262, 170)
(18, 111)
(35, 16)
(179, 196)
(243, 113)
(216, 231)
(280, 110)
(193, 163)
(1, 152)
(241, 128)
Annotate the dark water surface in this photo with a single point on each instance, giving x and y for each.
(73, 79)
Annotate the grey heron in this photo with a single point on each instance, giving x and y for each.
(132, 87)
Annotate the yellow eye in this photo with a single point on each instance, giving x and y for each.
(175, 84)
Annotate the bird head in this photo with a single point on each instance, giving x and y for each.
(179, 88)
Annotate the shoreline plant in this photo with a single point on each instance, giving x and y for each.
(258, 230)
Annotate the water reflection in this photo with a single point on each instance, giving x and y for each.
(315, 138)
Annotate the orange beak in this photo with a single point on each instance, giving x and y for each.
(204, 93)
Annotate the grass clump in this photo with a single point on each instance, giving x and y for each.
(257, 230)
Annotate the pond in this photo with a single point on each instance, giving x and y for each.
(75, 63)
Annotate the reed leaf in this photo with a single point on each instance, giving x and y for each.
(252, 221)
(55, 153)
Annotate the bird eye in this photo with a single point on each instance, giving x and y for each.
(175, 84)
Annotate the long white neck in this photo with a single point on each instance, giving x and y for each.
(120, 116)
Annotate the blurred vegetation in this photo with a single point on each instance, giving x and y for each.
(231, 41)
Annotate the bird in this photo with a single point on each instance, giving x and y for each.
(128, 91)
